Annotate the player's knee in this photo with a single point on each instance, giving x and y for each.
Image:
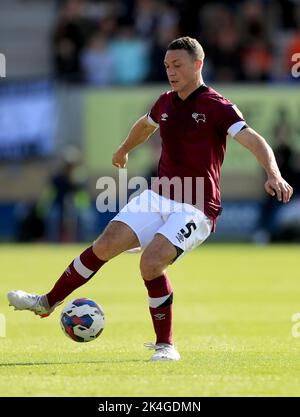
(150, 267)
(103, 248)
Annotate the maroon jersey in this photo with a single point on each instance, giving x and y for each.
(193, 133)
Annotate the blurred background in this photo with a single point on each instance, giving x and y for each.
(80, 72)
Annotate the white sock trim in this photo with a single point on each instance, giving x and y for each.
(156, 302)
(81, 269)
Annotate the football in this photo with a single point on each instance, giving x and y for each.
(82, 320)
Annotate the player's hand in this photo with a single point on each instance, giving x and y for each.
(120, 158)
(279, 187)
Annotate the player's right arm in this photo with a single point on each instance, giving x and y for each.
(138, 134)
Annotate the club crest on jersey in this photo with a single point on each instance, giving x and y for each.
(164, 117)
(199, 117)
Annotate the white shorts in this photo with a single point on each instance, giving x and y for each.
(183, 225)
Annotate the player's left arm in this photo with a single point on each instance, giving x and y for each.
(256, 144)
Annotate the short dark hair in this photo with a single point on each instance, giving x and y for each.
(191, 45)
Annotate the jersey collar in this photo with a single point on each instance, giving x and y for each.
(201, 89)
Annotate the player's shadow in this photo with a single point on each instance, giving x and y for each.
(2, 365)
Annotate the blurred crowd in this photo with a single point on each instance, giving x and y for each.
(281, 222)
(123, 42)
(64, 211)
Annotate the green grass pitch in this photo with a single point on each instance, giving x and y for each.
(232, 324)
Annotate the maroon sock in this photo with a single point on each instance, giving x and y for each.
(77, 273)
(160, 305)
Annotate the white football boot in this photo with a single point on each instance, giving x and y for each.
(163, 352)
(22, 300)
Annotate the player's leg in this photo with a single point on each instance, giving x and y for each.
(182, 232)
(157, 256)
(116, 238)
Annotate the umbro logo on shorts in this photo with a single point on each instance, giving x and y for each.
(180, 237)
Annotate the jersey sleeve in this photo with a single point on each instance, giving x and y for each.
(155, 113)
(229, 119)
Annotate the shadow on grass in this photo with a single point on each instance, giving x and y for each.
(3, 365)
